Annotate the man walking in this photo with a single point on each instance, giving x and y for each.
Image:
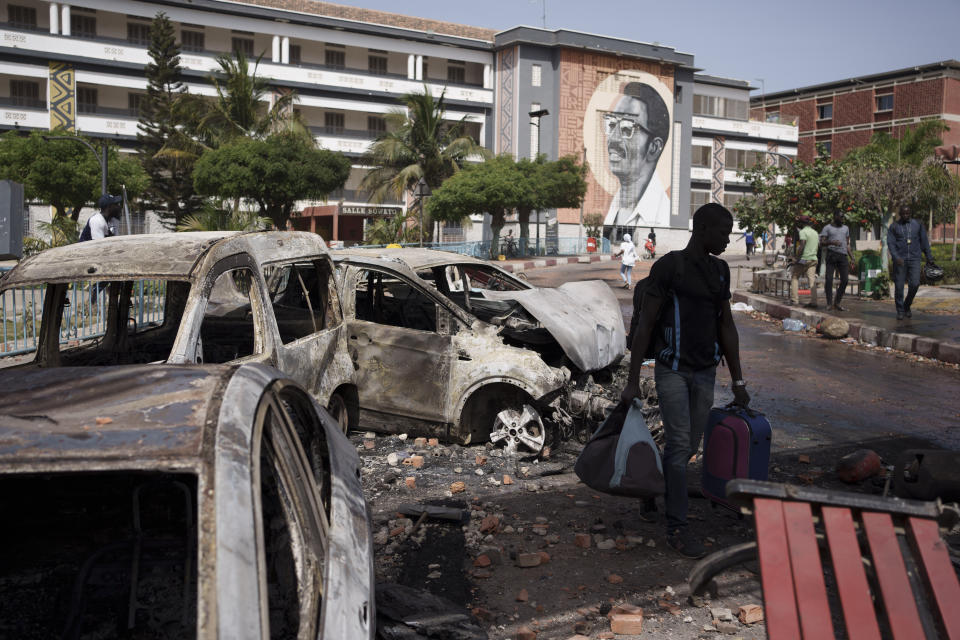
(836, 238)
(105, 222)
(906, 240)
(806, 263)
(749, 241)
(685, 313)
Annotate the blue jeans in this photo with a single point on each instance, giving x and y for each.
(686, 398)
(909, 271)
(625, 270)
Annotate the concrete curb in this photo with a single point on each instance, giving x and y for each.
(540, 263)
(865, 333)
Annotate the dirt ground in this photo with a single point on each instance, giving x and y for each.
(530, 512)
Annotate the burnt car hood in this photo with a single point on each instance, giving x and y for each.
(583, 317)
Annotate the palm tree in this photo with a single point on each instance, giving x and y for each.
(418, 144)
(212, 217)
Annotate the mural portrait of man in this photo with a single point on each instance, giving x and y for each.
(636, 132)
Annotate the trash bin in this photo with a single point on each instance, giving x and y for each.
(591, 245)
(869, 268)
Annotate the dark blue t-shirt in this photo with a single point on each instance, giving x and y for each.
(686, 336)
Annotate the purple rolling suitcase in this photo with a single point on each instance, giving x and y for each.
(736, 444)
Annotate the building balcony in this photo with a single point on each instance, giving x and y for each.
(105, 50)
(360, 197)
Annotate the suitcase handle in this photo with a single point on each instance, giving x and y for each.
(747, 410)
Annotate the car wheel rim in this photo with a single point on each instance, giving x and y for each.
(519, 431)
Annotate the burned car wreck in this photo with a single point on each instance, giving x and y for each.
(426, 364)
(187, 298)
(178, 502)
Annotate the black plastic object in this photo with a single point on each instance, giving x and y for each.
(928, 474)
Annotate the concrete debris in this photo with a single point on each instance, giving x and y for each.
(750, 614)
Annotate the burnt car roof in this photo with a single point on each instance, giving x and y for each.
(157, 255)
(414, 258)
(145, 415)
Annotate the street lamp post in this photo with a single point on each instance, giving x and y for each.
(421, 191)
(537, 115)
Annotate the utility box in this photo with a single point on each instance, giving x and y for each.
(11, 220)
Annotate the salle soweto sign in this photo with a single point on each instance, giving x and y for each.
(360, 210)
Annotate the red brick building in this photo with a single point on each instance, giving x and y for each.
(846, 113)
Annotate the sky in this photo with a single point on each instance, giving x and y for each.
(773, 44)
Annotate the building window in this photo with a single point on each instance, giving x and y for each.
(456, 74)
(295, 54)
(698, 199)
(335, 59)
(82, 26)
(885, 102)
(376, 126)
(192, 41)
(21, 17)
(740, 159)
(536, 73)
(135, 103)
(25, 93)
(772, 116)
(700, 156)
(825, 111)
(825, 147)
(730, 199)
(138, 33)
(716, 107)
(86, 100)
(377, 65)
(242, 45)
(333, 123)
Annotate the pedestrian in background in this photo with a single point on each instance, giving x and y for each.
(629, 253)
(806, 262)
(906, 241)
(835, 237)
(685, 313)
(748, 239)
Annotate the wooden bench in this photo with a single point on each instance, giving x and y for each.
(875, 566)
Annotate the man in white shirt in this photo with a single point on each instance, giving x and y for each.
(637, 131)
(105, 222)
(629, 253)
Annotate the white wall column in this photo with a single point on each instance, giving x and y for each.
(275, 50)
(419, 69)
(411, 67)
(483, 133)
(54, 18)
(65, 19)
(285, 50)
(487, 76)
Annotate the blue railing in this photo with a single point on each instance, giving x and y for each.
(84, 314)
(517, 249)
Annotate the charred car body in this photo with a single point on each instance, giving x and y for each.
(190, 298)
(178, 502)
(426, 363)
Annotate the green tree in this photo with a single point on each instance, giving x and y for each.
(488, 187)
(548, 185)
(397, 228)
(63, 173)
(62, 230)
(170, 193)
(213, 216)
(418, 143)
(274, 172)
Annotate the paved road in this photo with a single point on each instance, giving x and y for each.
(819, 392)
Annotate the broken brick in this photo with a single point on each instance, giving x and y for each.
(669, 607)
(626, 608)
(625, 624)
(750, 613)
(525, 633)
(481, 614)
(507, 479)
(523, 596)
(582, 540)
(433, 442)
(420, 442)
(458, 487)
(614, 579)
(490, 524)
(528, 560)
(411, 482)
(482, 560)
(481, 460)
(369, 444)
(605, 635)
(396, 531)
(544, 557)
(102, 421)
(803, 458)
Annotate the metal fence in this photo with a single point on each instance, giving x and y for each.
(512, 248)
(83, 316)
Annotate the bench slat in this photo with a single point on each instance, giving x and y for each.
(898, 598)
(808, 581)
(858, 613)
(939, 573)
(779, 603)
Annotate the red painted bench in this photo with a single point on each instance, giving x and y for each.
(837, 564)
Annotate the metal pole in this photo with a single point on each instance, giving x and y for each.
(536, 212)
(580, 236)
(103, 171)
(421, 221)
